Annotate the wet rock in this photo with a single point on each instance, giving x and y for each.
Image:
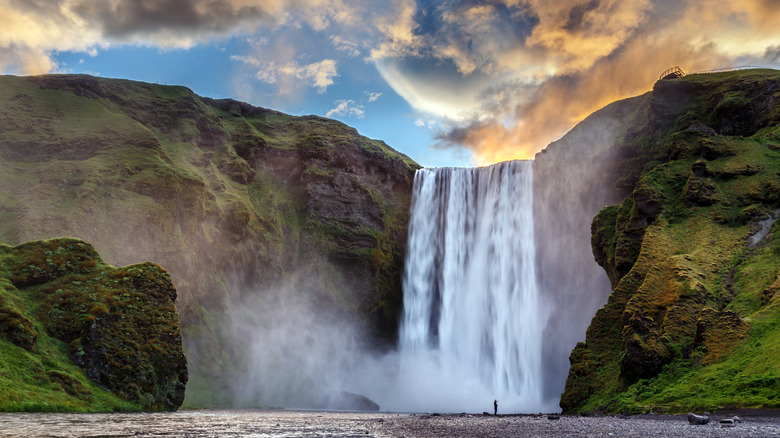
(697, 420)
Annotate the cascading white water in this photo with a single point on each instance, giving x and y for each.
(472, 323)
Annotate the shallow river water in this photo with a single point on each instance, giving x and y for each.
(282, 423)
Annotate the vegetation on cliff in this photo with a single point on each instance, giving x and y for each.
(237, 202)
(693, 256)
(79, 335)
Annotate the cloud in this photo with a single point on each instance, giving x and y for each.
(346, 45)
(33, 30)
(507, 77)
(318, 74)
(772, 54)
(430, 124)
(503, 77)
(374, 96)
(346, 107)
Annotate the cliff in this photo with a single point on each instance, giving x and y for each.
(244, 206)
(80, 335)
(574, 178)
(691, 254)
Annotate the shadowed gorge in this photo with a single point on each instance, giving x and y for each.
(243, 206)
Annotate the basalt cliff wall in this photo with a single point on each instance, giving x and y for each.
(690, 176)
(244, 207)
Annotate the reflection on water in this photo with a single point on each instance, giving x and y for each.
(206, 423)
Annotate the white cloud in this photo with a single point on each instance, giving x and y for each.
(318, 74)
(428, 124)
(351, 48)
(346, 107)
(374, 96)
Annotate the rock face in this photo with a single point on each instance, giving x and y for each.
(119, 325)
(244, 206)
(574, 178)
(685, 317)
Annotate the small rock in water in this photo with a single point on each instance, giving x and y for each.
(697, 419)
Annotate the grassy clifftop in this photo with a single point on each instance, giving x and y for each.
(79, 335)
(693, 256)
(242, 205)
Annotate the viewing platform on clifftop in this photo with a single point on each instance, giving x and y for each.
(676, 72)
(672, 73)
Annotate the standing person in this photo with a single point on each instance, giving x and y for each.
(495, 407)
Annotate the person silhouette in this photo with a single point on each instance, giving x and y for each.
(495, 407)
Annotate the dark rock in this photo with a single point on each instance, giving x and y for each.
(701, 128)
(697, 419)
(700, 192)
(645, 351)
(699, 169)
(348, 401)
(553, 417)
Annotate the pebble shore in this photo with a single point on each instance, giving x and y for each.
(572, 426)
(284, 423)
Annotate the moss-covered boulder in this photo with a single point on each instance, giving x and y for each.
(63, 306)
(693, 255)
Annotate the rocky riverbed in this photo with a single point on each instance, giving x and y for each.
(283, 423)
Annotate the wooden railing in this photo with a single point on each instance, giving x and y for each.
(676, 72)
(721, 70)
(672, 73)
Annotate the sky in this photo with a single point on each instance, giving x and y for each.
(448, 83)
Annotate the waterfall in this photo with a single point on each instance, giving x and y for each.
(472, 322)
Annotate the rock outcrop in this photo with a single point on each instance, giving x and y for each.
(685, 318)
(119, 325)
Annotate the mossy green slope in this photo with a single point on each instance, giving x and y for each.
(693, 321)
(80, 335)
(233, 200)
